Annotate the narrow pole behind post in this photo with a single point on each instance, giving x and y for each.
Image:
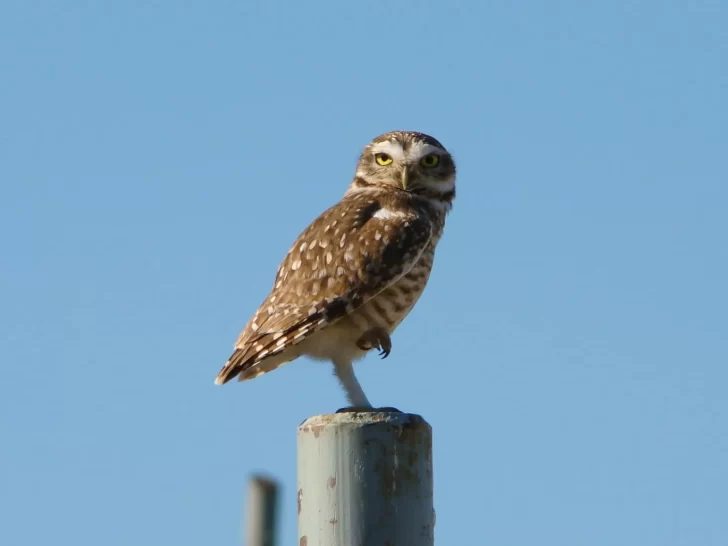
(365, 479)
(262, 508)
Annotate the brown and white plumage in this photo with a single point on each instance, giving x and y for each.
(354, 274)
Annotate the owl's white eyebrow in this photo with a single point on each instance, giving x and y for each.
(420, 150)
(393, 149)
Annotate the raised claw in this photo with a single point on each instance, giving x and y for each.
(376, 338)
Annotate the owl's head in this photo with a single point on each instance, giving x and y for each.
(409, 161)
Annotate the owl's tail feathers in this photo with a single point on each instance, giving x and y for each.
(234, 365)
(246, 366)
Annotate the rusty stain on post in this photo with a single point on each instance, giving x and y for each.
(365, 479)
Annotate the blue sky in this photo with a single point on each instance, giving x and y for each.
(158, 158)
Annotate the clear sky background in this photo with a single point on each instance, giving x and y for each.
(571, 352)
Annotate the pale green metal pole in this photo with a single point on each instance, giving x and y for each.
(262, 511)
(365, 479)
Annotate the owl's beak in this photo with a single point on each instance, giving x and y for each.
(405, 176)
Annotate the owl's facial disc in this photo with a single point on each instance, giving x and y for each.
(413, 162)
(413, 165)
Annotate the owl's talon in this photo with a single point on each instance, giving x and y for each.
(376, 338)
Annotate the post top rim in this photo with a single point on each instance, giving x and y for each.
(361, 418)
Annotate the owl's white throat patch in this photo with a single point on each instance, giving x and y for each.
(388, 214)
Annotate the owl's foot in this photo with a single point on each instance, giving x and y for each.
(376, 338)
(367, 409)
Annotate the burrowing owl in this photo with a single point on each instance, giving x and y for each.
(356, 272)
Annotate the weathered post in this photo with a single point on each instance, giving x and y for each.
(262, 511)
(365, 479)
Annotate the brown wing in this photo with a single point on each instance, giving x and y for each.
(344, 258)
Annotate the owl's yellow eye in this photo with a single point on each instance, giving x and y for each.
(383, 159)
(429, 161)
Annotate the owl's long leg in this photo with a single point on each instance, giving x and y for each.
(378, 338)
(344, 370)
